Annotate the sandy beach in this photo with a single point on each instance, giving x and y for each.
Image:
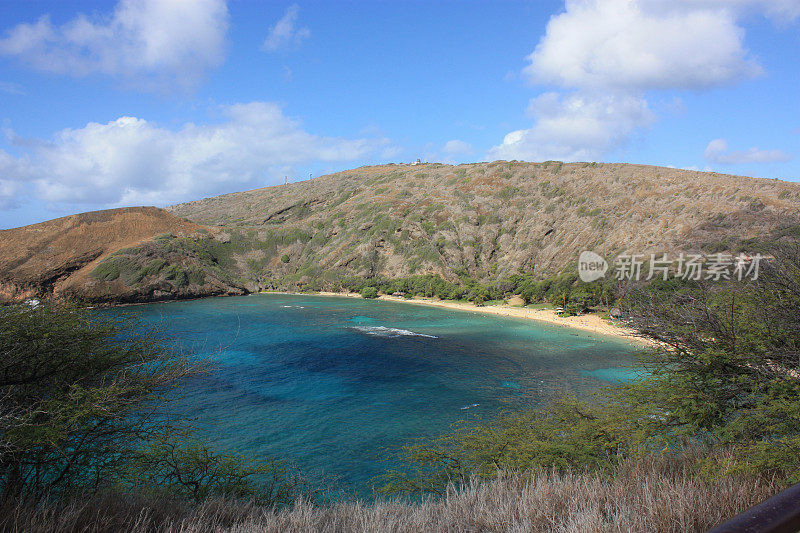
(590, 322)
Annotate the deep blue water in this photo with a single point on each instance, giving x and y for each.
(331, 383)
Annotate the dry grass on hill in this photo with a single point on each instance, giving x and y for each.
(649, 495)
(487, 220)
(498, 218)
(41, 255)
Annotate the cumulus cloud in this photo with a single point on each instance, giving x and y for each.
(640, 45)
(133, 161)
(285, 32)
(716, 153)
(9, 192)
(575, 127)
(11, 189)
(605, 55)
(153, 44)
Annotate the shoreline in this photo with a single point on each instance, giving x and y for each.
(590, 322)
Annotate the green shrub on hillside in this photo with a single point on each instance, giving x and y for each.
(196, 276)
(176, 275)
(121, 267)
(507, 192)
(154, 267)
(106, 271)
(132, 275)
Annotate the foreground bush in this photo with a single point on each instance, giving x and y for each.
(647, 495)
(728, 372)
(77, 397)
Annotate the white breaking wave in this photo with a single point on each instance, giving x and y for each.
(383, 331)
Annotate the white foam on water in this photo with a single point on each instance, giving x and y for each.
(383, 331)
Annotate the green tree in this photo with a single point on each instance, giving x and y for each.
(78, 394)
(84, 408)
(369, 292)
(177, 467)
(728, 372)
(567, 435)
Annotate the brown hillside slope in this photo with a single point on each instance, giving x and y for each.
(57, 255)
(487, 220)
(493, 219)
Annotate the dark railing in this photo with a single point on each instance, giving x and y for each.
(779, 514)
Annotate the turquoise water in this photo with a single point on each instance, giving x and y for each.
(331, 383)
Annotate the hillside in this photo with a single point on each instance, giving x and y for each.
(58, 256)
(494, 219)
(483, 220)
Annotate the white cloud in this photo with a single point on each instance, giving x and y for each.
(780, 11)
(716, 153)
(640, 45)
(605, 55)
(391, 152)
(456, 147)
(132, 161)
(152, 44)
(575, 127)
(452, 152)
(11, 189)
(285, 32)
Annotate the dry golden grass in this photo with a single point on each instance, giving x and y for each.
(648, 495)
(64, 250)
(509, 214)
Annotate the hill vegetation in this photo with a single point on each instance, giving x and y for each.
(492, 220)
(59, 257)
(485, 230)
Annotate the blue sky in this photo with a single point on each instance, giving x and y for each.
(107, 104)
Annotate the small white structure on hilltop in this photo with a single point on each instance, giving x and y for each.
(417, 162)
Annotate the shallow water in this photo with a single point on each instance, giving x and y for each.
(330, 383)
